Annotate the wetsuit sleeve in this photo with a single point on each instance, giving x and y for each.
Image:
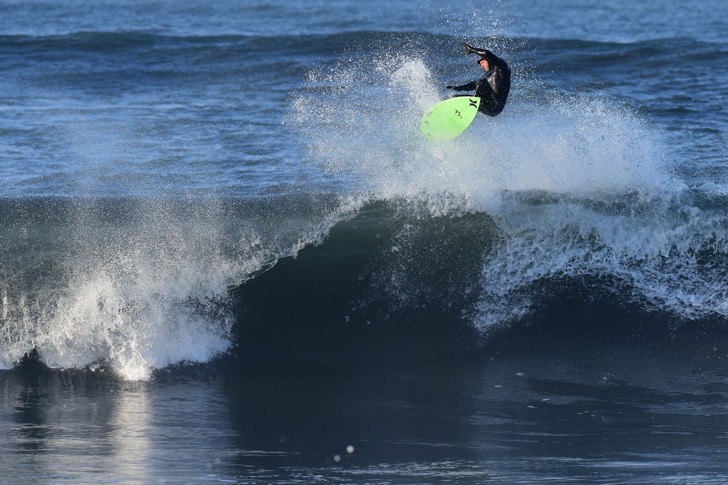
(465, 87)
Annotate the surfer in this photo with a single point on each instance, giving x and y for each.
(493, 87)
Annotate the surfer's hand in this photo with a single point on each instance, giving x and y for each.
(449, 87)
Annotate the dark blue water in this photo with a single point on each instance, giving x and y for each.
(228, 255)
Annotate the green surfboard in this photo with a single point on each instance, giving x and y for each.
(450, 118)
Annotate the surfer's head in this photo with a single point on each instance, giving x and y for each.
(484, 64)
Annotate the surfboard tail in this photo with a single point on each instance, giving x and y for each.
(448, 119)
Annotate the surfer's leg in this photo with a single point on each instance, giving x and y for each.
(486, 109)
(487, 99)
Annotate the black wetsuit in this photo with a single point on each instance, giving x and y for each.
(493, 87)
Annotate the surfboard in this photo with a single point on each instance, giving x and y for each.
(450, 118)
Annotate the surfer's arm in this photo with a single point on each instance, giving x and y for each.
(465, 87)
(487, 55)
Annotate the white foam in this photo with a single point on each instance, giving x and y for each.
(143, 288)
(136, 299)
(574, 146)
(656, 254)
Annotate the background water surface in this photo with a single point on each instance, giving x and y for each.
(228, 255)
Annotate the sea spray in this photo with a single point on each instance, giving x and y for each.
(568, 145)
(138, 285)
(580, 189)
(126, 287)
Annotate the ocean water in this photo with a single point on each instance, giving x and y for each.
(227, 255)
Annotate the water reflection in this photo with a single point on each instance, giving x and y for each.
(612, 415)
(85, 428)
(130, 433)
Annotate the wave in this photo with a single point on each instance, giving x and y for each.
(398, 275)
(397, 264)
(581, 189)
(561, 195)
(162, 283)
(348, 45)
(135, 284)
(662, 255)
